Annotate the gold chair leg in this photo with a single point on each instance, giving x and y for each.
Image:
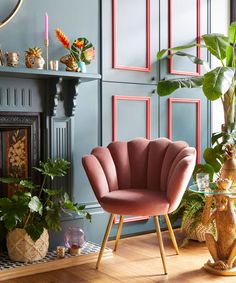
(109, 225)
(119, 232)
(172, 235)
(158, 229)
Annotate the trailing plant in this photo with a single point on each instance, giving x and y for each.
(35, 207)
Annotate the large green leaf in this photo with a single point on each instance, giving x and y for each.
(217, 82)
(27, 184)
(10, 180)
(54, 168)
(177, 48)
(11, 212)
(230, 60)
(211, 157)
(169, 86)
(216, 44)
(191, 57)
(35, 205)
(52, 218)
(232, 33)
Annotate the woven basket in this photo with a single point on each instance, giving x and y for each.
(198, 234)
(22, 248)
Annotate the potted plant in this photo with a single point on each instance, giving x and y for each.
(32, 210)
(81, 52)
(190, 210)
(217, 83)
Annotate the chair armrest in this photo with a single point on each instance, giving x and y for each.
(179, 179)
(95, 175)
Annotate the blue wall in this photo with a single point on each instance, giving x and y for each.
(92, 123)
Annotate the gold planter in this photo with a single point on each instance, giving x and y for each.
(228, 170)
(22, 248)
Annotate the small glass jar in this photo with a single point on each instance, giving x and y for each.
(74, 240)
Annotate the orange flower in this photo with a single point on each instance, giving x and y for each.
(62, 38)
(79, 43)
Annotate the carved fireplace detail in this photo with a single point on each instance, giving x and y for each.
(37, 109)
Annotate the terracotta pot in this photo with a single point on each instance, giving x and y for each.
(22, 248)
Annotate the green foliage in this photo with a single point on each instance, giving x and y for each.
(56, 168)
(214, 156)
(169, 86)
(216, 44)
(215, 82)
(190, 210)
(80, 52)
(35, 207)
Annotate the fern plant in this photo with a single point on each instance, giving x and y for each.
(190, 211)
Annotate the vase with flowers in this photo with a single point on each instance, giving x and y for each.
(81, 52)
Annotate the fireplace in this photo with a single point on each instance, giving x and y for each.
(19, 146)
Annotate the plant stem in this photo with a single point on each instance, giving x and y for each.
(27, 220)
(43, 183)
(229, 108)
(40, 193)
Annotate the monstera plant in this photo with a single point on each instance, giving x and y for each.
(216, 83)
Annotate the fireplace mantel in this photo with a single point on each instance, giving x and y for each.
(52, 96)
(46, 74)
(55, 80)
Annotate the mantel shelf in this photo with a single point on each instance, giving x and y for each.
(46, 74)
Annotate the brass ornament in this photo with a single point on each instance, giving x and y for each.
(71, 64)
(33, 58)
(12, 58)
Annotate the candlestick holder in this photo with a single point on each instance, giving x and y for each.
(46, 43)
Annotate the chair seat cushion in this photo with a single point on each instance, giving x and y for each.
(135, 202)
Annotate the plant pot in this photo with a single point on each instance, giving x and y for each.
(82, 67)
(198, 233)
(228, 170)
(22, 248)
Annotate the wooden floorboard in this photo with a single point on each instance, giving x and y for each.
(137, 260)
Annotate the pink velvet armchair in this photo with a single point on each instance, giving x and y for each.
(140, 178)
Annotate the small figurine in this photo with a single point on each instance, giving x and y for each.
(12, 58)
(34, 59)
(70, 63)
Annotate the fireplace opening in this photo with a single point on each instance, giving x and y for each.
(19, 147)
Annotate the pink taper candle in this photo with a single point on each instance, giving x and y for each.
(46, 27)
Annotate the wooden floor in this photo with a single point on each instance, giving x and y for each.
(138, 260)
